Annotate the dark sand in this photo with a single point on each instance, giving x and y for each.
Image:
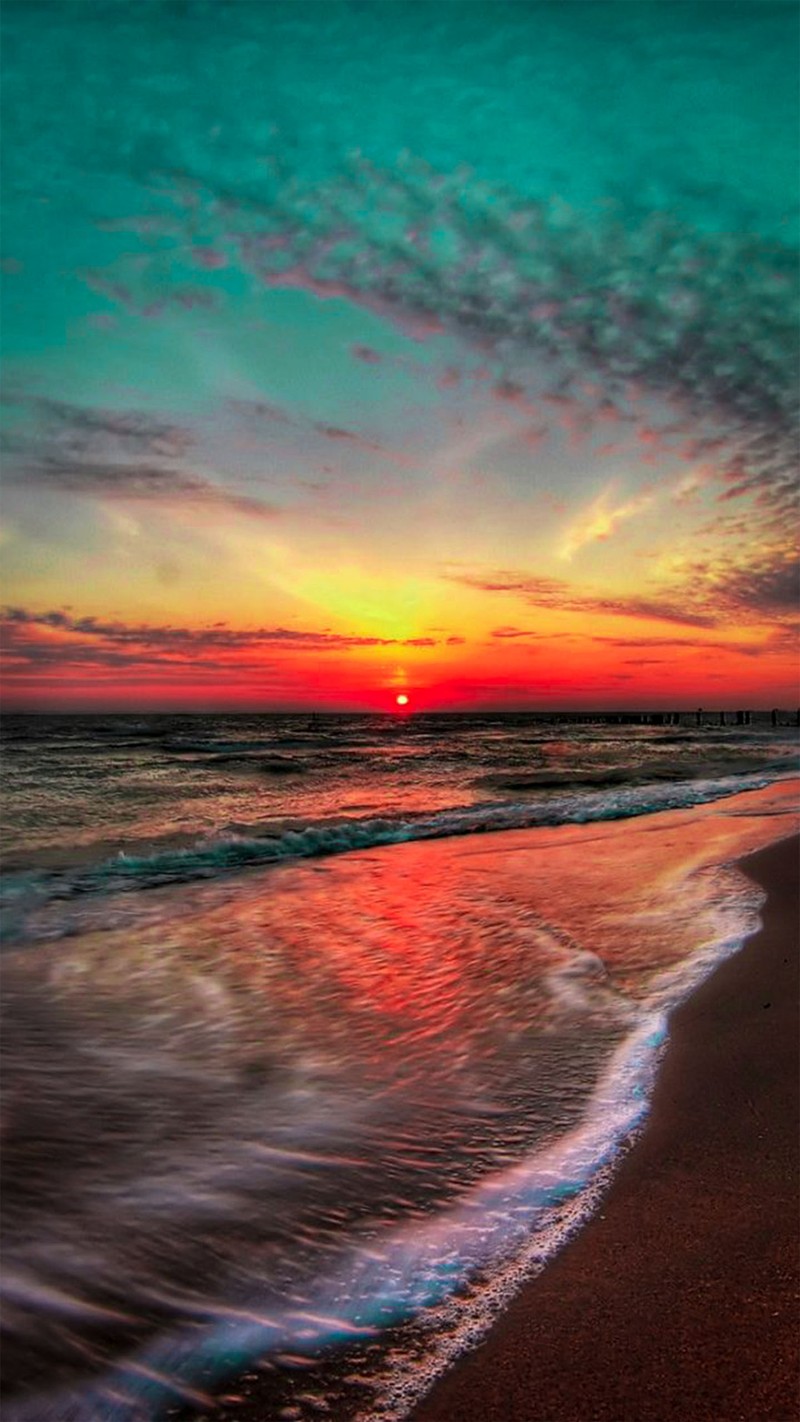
(681, 1298)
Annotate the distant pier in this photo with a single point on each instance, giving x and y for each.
(701, 717)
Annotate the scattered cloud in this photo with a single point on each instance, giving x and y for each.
(767, 583)
(58, 637)
(264, 411)
(645, 304)
(511, 633)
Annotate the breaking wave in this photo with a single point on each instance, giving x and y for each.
(229, 851)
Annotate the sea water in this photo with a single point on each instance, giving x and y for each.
(295, 1057)
(318, 1028)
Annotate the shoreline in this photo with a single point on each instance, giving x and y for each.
(681, 1296)
(589, 880)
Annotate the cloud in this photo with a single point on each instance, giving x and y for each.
(561, 596)
(754, 584)
(744, 589)
(334, 432)
(59, 637)
(265, 411)
(516, 632)
(86, 424)
(141, 483)
(62, 427)
(692, 482)
(617, 300)
(261, 410)
(617, 305)
(767, 583)
(757, 649)
(115, 454)
(601, 520)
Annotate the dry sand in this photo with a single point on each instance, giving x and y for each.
(681, 1298)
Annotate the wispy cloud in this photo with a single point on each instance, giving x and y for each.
(266, 413)
(135, 483)
(512, 633)
(602, 519)
(737, 589)
(744, 649)
(59, 637)
(560, 596)
(117, 455)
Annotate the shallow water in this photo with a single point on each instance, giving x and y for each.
(323, 1096)
(264, 1093)
(97, 804)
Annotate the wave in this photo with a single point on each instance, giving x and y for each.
(264, 765)
(504, 1223)
(459, 1265)
(552, 1193)
(233, 850)
(654, 771)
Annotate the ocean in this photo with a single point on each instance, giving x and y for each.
(323, 1032)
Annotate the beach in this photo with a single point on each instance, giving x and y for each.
(680, 1297)
(381, 1125)
(400, 748)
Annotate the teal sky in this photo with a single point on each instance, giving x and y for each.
(419, 296)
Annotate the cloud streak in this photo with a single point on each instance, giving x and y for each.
(755, 587)
(560, 596)
(59, 637)
(117, 455)
(136, 483)
(265, 412)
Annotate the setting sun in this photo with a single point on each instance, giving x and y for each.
(442, 353)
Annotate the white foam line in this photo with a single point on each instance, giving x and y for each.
(513, 1223)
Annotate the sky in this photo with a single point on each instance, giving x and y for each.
(361, 349)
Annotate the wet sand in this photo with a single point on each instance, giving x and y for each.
(681, 1298)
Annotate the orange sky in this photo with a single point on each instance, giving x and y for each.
(476, 414)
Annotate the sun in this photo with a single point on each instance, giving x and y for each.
(402, 699)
